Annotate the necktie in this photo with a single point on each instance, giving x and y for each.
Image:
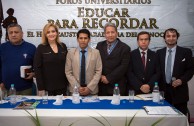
(143, 59)
(168, 66)
(108, 48)
(82, 79)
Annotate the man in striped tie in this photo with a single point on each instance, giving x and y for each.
(115, 60)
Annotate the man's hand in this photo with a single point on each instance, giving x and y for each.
(84, 91)
(104, 79)
(41, 93)
(2, 86)
(145, 88)
(176, 83)
(30, 75)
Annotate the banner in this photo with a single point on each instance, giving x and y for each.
(130, 16)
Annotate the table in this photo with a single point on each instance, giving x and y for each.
(87, 117)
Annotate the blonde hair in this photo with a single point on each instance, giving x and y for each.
(44, 32)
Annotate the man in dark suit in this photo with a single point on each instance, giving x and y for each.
(115, 61)
(177, 69)
(143, 68)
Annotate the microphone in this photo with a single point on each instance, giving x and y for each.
(173, 79)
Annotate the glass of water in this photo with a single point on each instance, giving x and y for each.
(45, 98)
(131, 95)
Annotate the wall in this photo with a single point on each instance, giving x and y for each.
(191, 100)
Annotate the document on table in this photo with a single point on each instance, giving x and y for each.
(160, 110)
(89, 99)
(145, 96)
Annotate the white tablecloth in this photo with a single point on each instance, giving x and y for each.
(84, 117)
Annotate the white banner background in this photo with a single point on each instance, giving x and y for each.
(32, 15)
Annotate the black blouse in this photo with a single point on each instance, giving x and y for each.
(49, 67)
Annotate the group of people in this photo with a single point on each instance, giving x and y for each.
(57, 69)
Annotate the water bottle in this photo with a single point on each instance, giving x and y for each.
(156, 93)
(75, 95)
(12, 94)
(116, 95)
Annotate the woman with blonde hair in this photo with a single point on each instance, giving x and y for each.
(49, 63)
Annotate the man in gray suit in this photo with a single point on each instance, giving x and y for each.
(84, 65)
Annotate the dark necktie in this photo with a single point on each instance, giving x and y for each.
(143, 59)
(168, 66)
(83, 60)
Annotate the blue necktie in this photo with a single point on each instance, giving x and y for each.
(168, 67)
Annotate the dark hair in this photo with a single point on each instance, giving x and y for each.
(85, 31)
(171, 30)
(10, 11)
(142, 33)
(14, 25)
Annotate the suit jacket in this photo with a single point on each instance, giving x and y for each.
(115, 66)
(93, 68)
(183, 69)
(137, 76)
